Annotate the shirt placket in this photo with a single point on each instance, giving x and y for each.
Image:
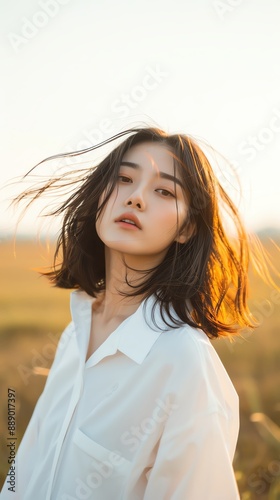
(76, 394)
(82, 337)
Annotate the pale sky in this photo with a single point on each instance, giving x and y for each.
(75, 72)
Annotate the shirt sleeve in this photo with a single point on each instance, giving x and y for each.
(195, 452)
(193, 461)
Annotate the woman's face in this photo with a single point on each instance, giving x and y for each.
(146, 207)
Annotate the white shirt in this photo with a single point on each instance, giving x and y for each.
(151, 415)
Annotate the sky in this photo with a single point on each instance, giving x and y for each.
(75, 73)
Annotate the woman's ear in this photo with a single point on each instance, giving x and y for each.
(186, 233)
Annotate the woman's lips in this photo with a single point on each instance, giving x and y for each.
(127, 225)
(129, 219)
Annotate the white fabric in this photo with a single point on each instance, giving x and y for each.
(151, 415)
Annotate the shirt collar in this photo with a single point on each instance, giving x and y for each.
(134, 337)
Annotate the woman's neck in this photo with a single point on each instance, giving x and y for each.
(111, 304)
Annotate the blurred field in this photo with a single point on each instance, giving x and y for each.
(33, 315)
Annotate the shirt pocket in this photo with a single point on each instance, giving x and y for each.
(108, 463)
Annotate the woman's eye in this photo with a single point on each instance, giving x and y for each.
(123, 178)
(165, 193)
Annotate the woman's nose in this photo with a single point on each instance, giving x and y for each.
(136, 204)
(136, 200)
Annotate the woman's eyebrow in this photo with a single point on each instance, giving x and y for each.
(163, 175)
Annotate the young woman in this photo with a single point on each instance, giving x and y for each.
(137, 404)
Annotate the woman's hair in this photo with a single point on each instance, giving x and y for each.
(204, 280)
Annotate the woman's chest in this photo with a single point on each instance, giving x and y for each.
(99, 333)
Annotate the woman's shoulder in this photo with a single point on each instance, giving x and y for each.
(185, 343)
(190, 350)
(194, 366)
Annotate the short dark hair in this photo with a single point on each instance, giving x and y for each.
(204, 280)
